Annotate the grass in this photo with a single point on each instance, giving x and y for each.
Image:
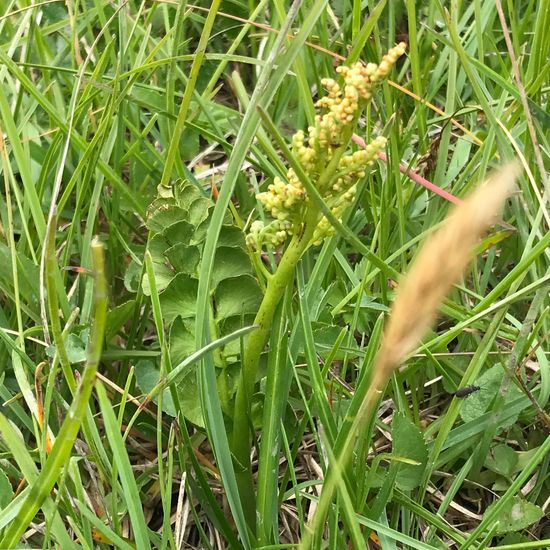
(118, 415)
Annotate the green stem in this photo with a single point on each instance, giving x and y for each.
(276, 286)
(275, 290)
(53, 305)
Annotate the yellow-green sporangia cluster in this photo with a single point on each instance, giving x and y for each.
(286, 200)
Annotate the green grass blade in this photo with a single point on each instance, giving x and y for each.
(276, 393)
(42, 486)
(124, 468)
(188, 94)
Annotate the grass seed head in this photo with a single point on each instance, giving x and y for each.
(439, 264)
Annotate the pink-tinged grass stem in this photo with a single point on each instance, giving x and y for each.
(413, 175)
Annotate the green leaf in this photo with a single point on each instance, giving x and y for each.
(232, 350)
(189, 144)
(182, 340)
(75, 347)
(163, 278)
(502, 460)
(6, 491)
(515, 538)
(147, 377)
(179, 221)
(179, 298)
(408, 442)
(230, 235)
(326, 336)
(163, 217)
(200, 232)
(237, 296)
(28, 274)
(132, 277)
(199, 210)
(186, 194)
(125, 471)
(477, 403)
(184, 258)
(189, 398)
(516, 514)
(54, 13)
(157, 247)
(117, 318)
(230, 262)
(180, 232)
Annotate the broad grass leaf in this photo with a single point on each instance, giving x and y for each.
(27, 271)
(475, 404)
(6, 490)
(117, 317)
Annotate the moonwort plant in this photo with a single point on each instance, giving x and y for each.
(297, 222)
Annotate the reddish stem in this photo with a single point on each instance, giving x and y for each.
(413, 175)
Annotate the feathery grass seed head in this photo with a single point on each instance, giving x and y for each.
(438, 266)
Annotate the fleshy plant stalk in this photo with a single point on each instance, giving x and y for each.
(327, 162)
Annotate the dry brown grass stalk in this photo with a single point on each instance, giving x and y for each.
(439, 264)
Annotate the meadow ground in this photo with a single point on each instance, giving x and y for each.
(204, 225)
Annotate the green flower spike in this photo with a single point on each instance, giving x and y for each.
(287, 201)
(297, 223)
